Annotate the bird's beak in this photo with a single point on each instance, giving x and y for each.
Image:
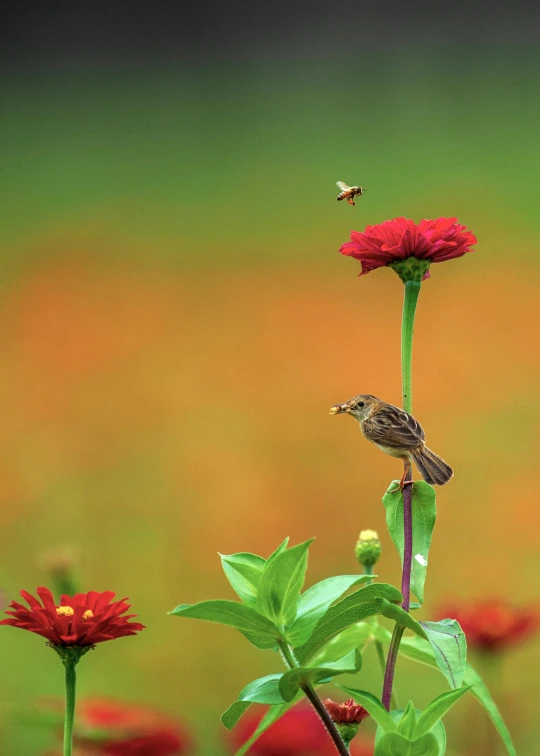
(338, 409)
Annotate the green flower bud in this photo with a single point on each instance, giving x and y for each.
(347, 731)
(368, 548)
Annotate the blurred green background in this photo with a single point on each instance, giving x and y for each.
(176, 321)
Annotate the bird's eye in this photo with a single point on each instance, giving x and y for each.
(360, 404)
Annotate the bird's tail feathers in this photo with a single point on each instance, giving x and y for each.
(432, 468)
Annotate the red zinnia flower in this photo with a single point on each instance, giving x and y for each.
(299, 732)
(82, 620)
(494, 625)
(346, 713)
(401, 238)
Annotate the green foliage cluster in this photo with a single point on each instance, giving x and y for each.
(323, 632)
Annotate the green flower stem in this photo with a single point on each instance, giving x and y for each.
(315, 701)
(382, 661)
(412, 290)
(70, 680)
(368, 570)
(288, 655)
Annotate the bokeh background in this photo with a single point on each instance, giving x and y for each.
(176, 319)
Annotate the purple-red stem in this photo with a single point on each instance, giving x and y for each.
(391, 666)
(406, 591)
(407, 544)
(320, 708)
(313, 698)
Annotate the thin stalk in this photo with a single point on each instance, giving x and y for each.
(386, 697)
(407, 543)
(315, 701)
(320, 708)
(379, 648)
(288, 656)
(70, 681)
(412, 290)
(368, 570)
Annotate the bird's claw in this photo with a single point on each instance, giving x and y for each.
(401, 485)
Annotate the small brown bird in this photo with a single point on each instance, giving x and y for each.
(398, 434)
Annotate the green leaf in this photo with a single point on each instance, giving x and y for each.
(424, 513)
(243, 572)
(294, 679)
(280, 549)
(398, 715)
(407, 742)
(394, 744)
(403, 718)
(320, 643)
(316, 601)
(438, 708)
(271, 716)
(450, 648)
(256, 628)
(402, 617)
(356, 636)
(416, 649)
(230, 717)
(421, 651)
(281, 583)
(263, 690)
(407, 722)
(366, 602)
(374, 706)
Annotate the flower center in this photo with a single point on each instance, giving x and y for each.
(65, 611)
(87, 615)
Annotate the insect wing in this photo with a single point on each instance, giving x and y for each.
(342, 186)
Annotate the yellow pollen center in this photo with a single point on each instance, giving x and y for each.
(65, 611)
(88, 614)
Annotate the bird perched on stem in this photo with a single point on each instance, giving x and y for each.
(398, 434)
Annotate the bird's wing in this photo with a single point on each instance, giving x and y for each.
(393, 427)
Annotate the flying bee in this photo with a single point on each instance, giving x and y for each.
(348, 192)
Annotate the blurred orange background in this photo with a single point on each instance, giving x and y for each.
(176, 322)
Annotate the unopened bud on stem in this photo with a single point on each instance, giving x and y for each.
(346, 717)
(368, 548)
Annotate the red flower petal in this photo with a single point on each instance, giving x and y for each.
(346, 713)
(106, 620)
(434, 240)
